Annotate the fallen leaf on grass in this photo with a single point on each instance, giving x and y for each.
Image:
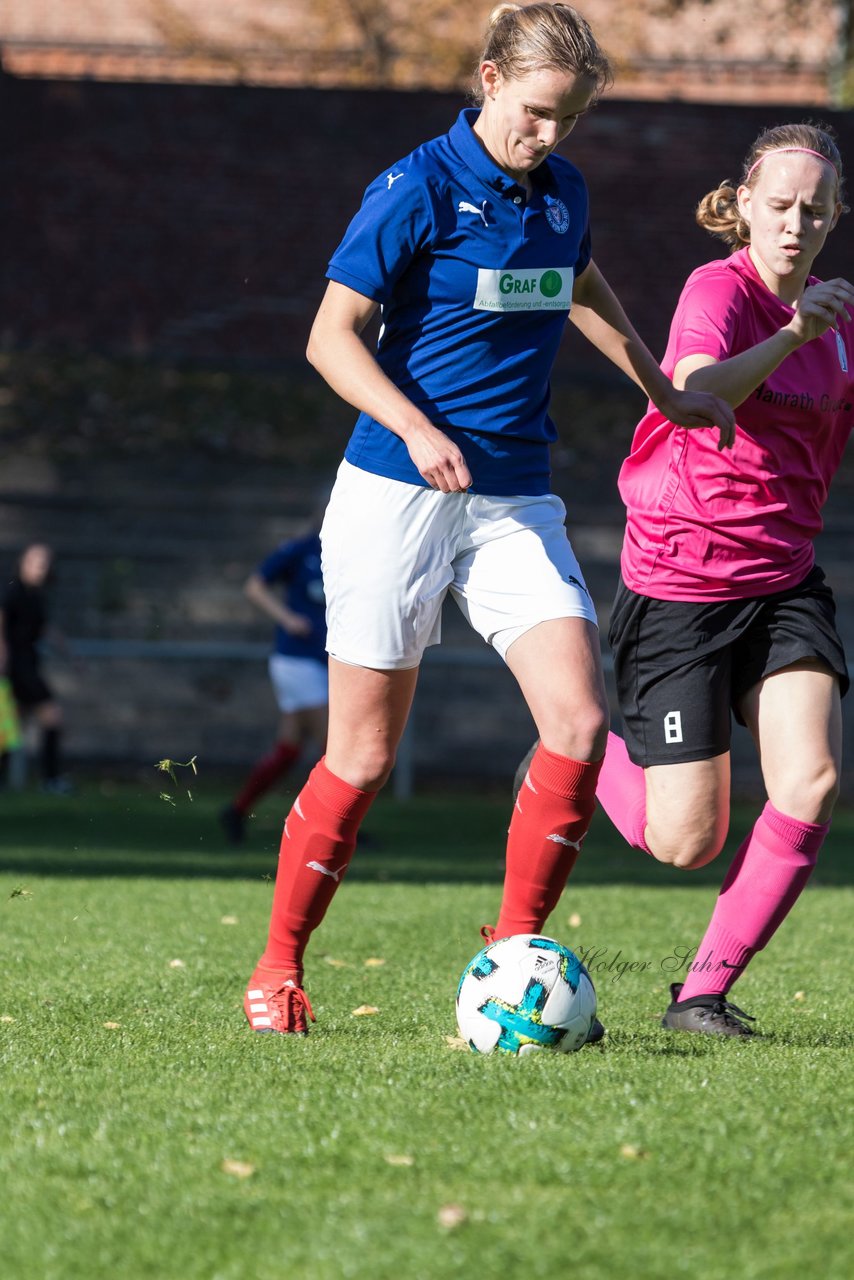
(799, 995)
(630, 1152)
(177, 964)
(238, 1168)
(19, 892)
(336, 964)
(574, 920)
(112, 1026)
(402, 1161)
(365, 1009)
(6, 1018)
(455, 1042)
(374, 962)
(228, 920)
(451, 1216)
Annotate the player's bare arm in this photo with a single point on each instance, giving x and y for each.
(821, 307)
(256, 590)
(338, 353)
(597, 313)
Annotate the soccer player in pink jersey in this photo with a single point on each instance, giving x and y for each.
(721, 607)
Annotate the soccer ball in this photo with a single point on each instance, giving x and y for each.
(525, 993)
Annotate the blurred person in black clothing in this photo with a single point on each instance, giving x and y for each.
(23, 625)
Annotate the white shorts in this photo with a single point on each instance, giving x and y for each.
(298, 683)
(392, 551)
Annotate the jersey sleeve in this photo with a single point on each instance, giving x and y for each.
(279, 565)
(707, 317)
(393, 224)
(585, 252)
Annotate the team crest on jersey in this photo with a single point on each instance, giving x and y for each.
(557, 215)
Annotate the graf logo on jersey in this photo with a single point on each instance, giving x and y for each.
(557, 215)
(544, 289)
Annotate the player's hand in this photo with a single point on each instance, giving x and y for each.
(439, 460)
(296, 624)
(701, 409)
(820, 308)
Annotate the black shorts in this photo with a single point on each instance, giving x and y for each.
(682, 668)
(29, 687)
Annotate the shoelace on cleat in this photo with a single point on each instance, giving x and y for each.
(730, 1013)
(290, 1000)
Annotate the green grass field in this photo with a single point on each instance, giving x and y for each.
(145, 1132)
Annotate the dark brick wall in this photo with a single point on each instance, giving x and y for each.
(197, 221)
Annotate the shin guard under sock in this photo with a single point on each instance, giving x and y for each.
(621, 791)
(317, 845)
(767, 876)
(550, 819)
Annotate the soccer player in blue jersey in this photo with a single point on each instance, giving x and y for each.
(288, 587)
(474, 247)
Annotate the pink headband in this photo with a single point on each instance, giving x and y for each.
(806, 151)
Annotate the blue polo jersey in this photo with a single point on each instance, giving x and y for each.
(296, 566)
(475, 284)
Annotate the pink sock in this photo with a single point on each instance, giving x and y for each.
(766, 878)
(621, 791)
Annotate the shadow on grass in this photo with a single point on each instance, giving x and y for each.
(129, 830)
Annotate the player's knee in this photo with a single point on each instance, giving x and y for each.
(581, 733)
(809, 799)
(687, 847)
(374, 766)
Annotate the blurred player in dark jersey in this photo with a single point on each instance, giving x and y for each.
(23, 627)
(288, 587)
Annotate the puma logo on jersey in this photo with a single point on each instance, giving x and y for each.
(570, 844)
(465, 207)
(327, 871)
(393, 177)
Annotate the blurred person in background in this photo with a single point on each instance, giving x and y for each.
(23, 630)
(287, 586)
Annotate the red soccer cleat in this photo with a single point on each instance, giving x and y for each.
(276, 1002)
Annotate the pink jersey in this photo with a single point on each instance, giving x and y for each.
(709, 525)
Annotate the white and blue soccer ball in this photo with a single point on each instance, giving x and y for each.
(525, 993)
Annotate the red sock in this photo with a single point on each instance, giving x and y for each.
(550, 819)
(266, 772)
(767, 876)
(317, 845)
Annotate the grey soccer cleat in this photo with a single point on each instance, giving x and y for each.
(522, 769)
(711, 1015)
(596, 1033)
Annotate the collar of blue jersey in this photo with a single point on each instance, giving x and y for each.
(467, 144)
